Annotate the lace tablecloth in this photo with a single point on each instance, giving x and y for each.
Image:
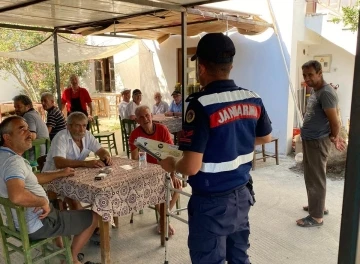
(120, 193)
(174, 124)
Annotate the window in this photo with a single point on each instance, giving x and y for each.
(105, 75)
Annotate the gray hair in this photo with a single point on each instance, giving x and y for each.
(76, 116)
(140, 108)
(6, 127)
(47, 95)
(24, 99)
(312, 64)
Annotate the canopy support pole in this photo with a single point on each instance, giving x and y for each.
(184, 60)
(349, 231)
(57, 68)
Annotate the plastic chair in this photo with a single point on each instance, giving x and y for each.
(127, 126)
(9, 235)
(35, 152)
(122, 134)
(103, 137)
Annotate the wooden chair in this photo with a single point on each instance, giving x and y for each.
(11, 238)
(35, 152)
(127, 126)
(264, 155)
(107, 138)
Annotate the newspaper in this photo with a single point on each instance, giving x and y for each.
(158, 149)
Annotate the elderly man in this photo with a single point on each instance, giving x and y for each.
(130, 108)
(176, 104)
(55, 120)
(24, 107)
(154, 131)
(125, 95)
(20, 185)
(160, 107)
(70, 148)
(76, 98)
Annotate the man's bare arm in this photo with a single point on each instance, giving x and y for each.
(135, 154)
(90, 108)
(62, 163)
(21, 196)
(45, 177)
(332, 115)
(190, 163)
(49, 129)
(263, 140)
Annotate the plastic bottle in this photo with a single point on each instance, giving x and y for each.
(142, 160)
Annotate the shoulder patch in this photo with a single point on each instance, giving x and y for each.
(190, 116)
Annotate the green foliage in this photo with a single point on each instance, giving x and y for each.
(32, 77)
(350, 17)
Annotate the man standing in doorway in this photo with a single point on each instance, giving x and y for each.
(219, 172)
(321, 128)
(76, 99)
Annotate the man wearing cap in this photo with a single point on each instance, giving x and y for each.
(125, 94)
(176, 104)
(130, 108)
(219, 173)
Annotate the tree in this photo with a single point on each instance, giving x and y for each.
(32, 77)
(349, 17)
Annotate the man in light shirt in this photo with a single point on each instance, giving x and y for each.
(160, 107)
(70, 147)
(176, 104)
(130, 109)
(125, 94)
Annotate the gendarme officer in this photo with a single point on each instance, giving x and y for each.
(222, 124)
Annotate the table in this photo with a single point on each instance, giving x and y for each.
(120, 193)
(174, 124)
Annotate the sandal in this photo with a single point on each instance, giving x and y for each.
(306, 208)
(80, 256)
(309, 222)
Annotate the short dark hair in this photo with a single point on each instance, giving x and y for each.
(312, 64)
(24, 99)
(216, 68)
(5, 127)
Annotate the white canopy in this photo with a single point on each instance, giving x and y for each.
(69, 51)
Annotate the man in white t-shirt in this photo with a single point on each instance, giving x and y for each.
(160, 107)
(125, 94)
(70, 147)
(130, 109)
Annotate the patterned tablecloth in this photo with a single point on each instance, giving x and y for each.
(174, 124)
(120, 193)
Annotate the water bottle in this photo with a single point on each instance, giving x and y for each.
(142, 160)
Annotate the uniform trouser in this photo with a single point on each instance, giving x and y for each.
(315, 155)
(219, 228)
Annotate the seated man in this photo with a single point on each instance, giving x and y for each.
(176, 105)
(160, 107)
(24, 107)
(70, 148)
(154, 131)
(55, 120)
(130, 108)
(20, 185)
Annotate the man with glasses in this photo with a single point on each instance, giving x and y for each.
(176, 104)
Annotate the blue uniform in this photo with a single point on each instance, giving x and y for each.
(222, 122)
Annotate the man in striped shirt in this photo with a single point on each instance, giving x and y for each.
(222, 125)
(55, 120)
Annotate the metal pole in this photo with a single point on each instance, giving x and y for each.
(184, 60)
(57, 70)
(351, 201)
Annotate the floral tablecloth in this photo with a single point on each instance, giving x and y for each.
(120, 193)
(174, 124)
